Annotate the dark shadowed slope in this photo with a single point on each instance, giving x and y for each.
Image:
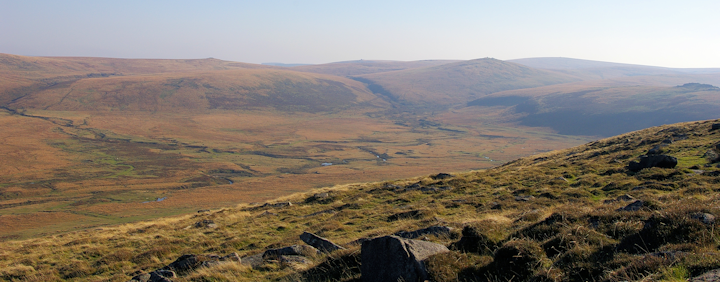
(602, 108)
(589, 70)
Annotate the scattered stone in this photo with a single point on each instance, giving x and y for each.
(392, 187)
(432, 230)
(292, 259)
(414, 186)
(252, 261)
(561, 178)
(278, 205)
(712, 156)
(428, 190)
(657, 150)
(324, 196)
(634, 206)
(524, 198)
(441, 176)
(668, 141)
(294, 250)
(712, 275)
(319, 243)
(414, 214)
(267, 213)
(187, 263)
(704, 217)
(662, 161)
(155, 276)
(205, 223)
(625, 198)
(203, 211)
(391, 258)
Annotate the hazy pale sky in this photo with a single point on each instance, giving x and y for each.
(660, 33)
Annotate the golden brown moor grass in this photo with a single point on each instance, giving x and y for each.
(24, 148)
(570, 230)
(191, 158)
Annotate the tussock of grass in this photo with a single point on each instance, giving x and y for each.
(518, 222)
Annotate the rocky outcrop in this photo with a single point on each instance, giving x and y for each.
(392, 258)
(319, 243)
(187, 263)
(662, 161)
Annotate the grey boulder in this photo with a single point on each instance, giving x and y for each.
(392, 258)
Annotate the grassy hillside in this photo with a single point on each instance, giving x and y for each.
(558, 216)
(201, 91)
(607, 108)
(90, 142)
(352, 68)
(461, 82)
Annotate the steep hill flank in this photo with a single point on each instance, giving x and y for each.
(573, 215)
(606, 108)
(201, 91)
(460, 82)
(367, 67)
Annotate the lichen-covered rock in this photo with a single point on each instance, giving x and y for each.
(392, 258)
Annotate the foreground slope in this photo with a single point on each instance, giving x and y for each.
(572, 215)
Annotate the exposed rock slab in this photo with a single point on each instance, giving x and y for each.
(392, 258)
(320, 243)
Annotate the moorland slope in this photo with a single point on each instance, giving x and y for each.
(88, 142)
(460, 82)
(581, 214)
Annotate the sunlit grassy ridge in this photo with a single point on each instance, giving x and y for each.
(559, 210)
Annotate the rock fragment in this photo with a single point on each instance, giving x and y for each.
(320, 243)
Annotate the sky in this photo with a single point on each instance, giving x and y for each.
(682, 34)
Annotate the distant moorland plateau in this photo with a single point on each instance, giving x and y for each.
(86, 142)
